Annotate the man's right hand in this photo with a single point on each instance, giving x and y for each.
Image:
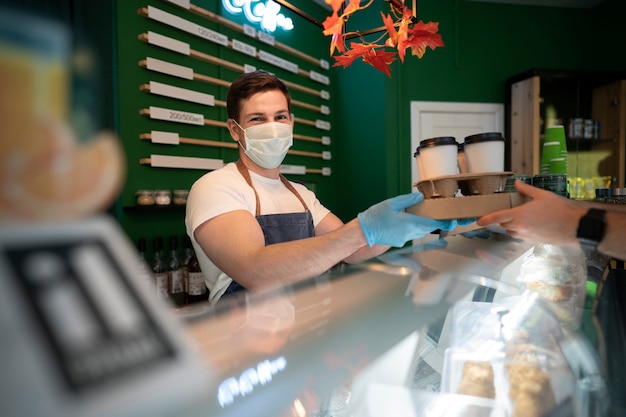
(386, 223)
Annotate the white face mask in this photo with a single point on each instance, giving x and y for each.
(268, 143)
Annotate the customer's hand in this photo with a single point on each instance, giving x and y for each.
(546, 217)
(386, 223)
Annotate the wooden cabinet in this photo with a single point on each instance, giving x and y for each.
(609, 107)
(540, 98)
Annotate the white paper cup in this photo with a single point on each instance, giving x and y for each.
(438, 157)
(484, 152)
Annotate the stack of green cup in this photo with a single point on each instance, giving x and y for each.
(554, 152)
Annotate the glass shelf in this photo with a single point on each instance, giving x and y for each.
(584, 144)
(155, 208)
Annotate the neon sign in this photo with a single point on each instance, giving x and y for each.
(233, 387)
(263, 12)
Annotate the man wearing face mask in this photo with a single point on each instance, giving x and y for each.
(251, 228)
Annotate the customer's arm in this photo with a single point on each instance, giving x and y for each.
(550, 218)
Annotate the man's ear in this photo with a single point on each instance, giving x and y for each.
(233, 129)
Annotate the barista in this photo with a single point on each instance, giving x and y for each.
(252, 228)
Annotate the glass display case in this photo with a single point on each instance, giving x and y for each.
(472, 324)
(465, 324)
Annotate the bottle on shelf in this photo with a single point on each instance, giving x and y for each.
(159, 270)
(187, 255)
(176, 285)
(144, 274)
(196, 288)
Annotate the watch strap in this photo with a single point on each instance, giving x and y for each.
(591, 228)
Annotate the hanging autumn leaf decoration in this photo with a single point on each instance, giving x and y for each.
(400, 33)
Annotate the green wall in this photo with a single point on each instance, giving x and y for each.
(485, 43)
(155, 221)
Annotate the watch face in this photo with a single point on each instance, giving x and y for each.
(591, 228)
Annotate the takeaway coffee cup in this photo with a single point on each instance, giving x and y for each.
(438, 157)
(484, 152)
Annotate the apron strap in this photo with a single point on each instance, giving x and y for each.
(246, 175)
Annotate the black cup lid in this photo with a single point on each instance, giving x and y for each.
(438, 141)
(483, 137)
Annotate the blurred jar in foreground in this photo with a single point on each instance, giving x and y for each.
(48, 172)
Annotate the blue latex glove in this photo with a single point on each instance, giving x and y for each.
(386, 223)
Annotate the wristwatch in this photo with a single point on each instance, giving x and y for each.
(591, 229)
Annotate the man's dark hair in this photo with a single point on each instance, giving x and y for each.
(249, 84)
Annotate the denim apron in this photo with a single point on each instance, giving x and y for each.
(277, 228)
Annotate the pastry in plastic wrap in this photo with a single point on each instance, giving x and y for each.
(529, 386)
(508, 352)
(558, 275)
(477, 380)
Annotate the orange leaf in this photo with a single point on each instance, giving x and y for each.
(380, 60)
(353, 6)
(337, 42)
(370, 55)
(423, 35)
(356, 51)
(333, 25)
(403, 32)
(393, 35)
(335, 4)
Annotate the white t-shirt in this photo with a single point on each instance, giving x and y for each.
(225, 190)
